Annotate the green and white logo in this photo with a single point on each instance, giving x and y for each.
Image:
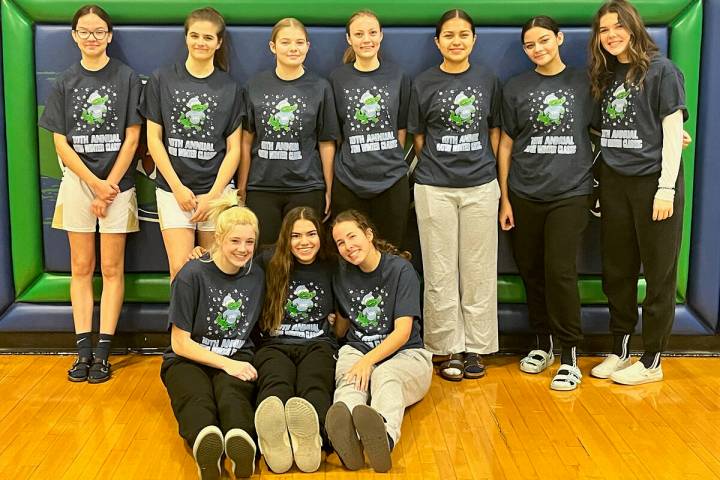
(194, 118)
(228, 319)
(464, 113)
(284, 117)
(618, 106)
(302, 304)
(95, 113)
(369, 110)
(554, 110)
(370, 315)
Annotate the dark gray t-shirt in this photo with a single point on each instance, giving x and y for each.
(309, 302)
(455, 112)
(197, 116)
(373, 301)
(548, 118)
(219, 310)
(288, 119)
(372, 107)
(92, 110)
(631, 117)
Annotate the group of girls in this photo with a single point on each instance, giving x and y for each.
(523, 151)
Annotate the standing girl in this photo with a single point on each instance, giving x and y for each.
(194, 111)
(96, 98)
(296, 359)
(455, 119)
(371, 98)
(384, 361)
(291, 129)
(214, 303)
(642, 101)
(545, 151)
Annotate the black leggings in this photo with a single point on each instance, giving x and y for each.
(271, 208)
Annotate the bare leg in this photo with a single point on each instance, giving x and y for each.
(112, 255)
(179, 242)
(82, 266)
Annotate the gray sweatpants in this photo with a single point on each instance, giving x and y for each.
(459, 240)
(395, 384)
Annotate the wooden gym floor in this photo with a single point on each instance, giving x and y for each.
(508, 425)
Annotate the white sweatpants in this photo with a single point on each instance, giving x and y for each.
(395, 384)
(459, 241)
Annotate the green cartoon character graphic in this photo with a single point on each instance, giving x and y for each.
(228, 319)
(616, 109)
(95, 113)
(194, 118)
(302, 304)
(371, 313)
(284, 117)
(465, 110)
(370, 109)
(553, 112)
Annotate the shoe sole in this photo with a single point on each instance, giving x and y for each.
(208, 455)
(273, 435)
(99, 380)
(605, 376)
(533, 370)
(76, 380)
(640, 382)
(241, 453)
(304, 429)
(341, 431)
(373, 435)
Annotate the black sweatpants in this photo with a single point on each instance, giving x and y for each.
(545, 242)
(305, 370)
(271, 208)
(201, 396)
(630, 238)
(388, 210)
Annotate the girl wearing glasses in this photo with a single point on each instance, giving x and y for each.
(194, 111)
(92, 112)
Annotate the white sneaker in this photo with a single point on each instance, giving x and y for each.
(304, 429)
(273, 438)
(607, 367)
(207, 450)
(637, 374)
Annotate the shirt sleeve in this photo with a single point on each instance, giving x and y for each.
(407, 297)
(405, 89)
(183, 303)
(672, 92)
(134, 95)
(495, 120)
(150, 103)
(327, 122)
(53, 118)
(508, 113)
(415, 120)
(239, 111)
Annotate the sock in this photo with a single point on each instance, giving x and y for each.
(84, 344)
(621, 346)
(568, 356)
(650, 359)
(103, 348)
(544, 342)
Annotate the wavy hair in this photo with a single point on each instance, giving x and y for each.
(364, 224)
(641, 48)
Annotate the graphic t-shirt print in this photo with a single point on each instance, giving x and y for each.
(460, 110)
(370, 126)
(193, 128)
(552, 117)
(96, 119)
(618, 117)
(227, 322)
(370, 317)
(283, 127)
(302, 315)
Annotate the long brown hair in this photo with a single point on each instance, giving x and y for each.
(209, 14)
(364, 224)
(349, 55)
(279, 268)
(287, 22)
(640, 50)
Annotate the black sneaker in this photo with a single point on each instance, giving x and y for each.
(79, 371)
(99, 371)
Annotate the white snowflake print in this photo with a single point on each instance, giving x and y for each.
(94, 109)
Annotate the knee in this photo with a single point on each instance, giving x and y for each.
(82, 267)
(112, 270)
